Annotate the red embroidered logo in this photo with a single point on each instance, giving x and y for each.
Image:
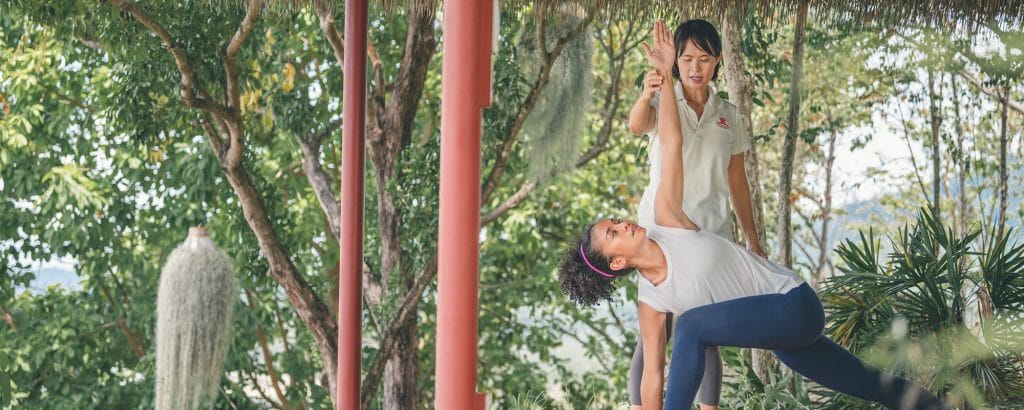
(722, 123)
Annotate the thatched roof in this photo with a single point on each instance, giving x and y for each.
(942, 14)
(934, 13)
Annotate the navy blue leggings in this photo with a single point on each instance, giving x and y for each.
(790, 325)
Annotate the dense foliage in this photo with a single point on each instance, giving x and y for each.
(103, 167)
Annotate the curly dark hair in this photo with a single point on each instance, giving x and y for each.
(581, 283)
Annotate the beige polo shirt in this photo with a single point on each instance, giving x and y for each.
(708, 145)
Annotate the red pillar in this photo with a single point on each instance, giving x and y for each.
(465, 91)
(350, 276)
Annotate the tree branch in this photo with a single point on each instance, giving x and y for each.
(388, 339)
(252, 11)
(633, 30)
(807, 223)
(800, 246)
(133, 340)
(91, 43)
(263, 394)
(618, 322)
(261, 337)
(378, 74)
(409, 82)
(524, 191)
(373, 317)
(334, 38)
(576, 336)
(913, 158)
(8, 319)
(318, 178)
(216, 143)
(186, 93)
(991, 92)
(616, 63)
(235, 125)
(280, 326)
(275, 381)
(66, 98)
(809, 195)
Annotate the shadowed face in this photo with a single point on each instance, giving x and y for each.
(617, 240)
(696, 66)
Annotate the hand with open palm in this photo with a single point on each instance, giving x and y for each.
(662, 54)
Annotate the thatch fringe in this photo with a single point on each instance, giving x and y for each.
(941, 14)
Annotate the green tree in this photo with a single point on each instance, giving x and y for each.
(156, 129)
(913, 310)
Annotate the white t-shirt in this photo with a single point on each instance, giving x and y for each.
(708, 145)
(704, 268)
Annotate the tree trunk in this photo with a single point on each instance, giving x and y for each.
(741, 89)
(1002, 164)
(936, 122)
(308, 306)
(321, 183)
(961, 161)
(826, 208)
(401, 373)
(789, 147)
(387, 139)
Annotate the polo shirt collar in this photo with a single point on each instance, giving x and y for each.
(713, 103)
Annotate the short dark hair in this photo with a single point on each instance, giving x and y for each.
(579, 281)
(704, 36)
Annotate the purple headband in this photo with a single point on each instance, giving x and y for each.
(584, 255)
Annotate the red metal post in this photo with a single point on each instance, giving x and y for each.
(350, 277)
(465, 91)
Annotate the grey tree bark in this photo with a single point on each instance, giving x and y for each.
(789, 146)
(826, 207)
(934, 110)
(960, 159)
(389, 133)
(741, 94)
(741, 91)
(1004, 102)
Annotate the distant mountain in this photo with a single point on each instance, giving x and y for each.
(52, 276)
(862, 212)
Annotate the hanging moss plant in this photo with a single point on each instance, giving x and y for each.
(553, 130)
(194, 305)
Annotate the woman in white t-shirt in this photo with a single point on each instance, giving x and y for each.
(713, 154)
(723, 294)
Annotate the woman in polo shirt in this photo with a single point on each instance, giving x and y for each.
(715, 143)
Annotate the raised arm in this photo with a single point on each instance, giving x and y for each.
(668, 210)
(652, 335)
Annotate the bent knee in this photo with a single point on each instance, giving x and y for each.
(691, 324)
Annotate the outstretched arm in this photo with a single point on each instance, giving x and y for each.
(668, 210)
(652, 335)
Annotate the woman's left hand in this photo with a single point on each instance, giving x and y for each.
(662, 54)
